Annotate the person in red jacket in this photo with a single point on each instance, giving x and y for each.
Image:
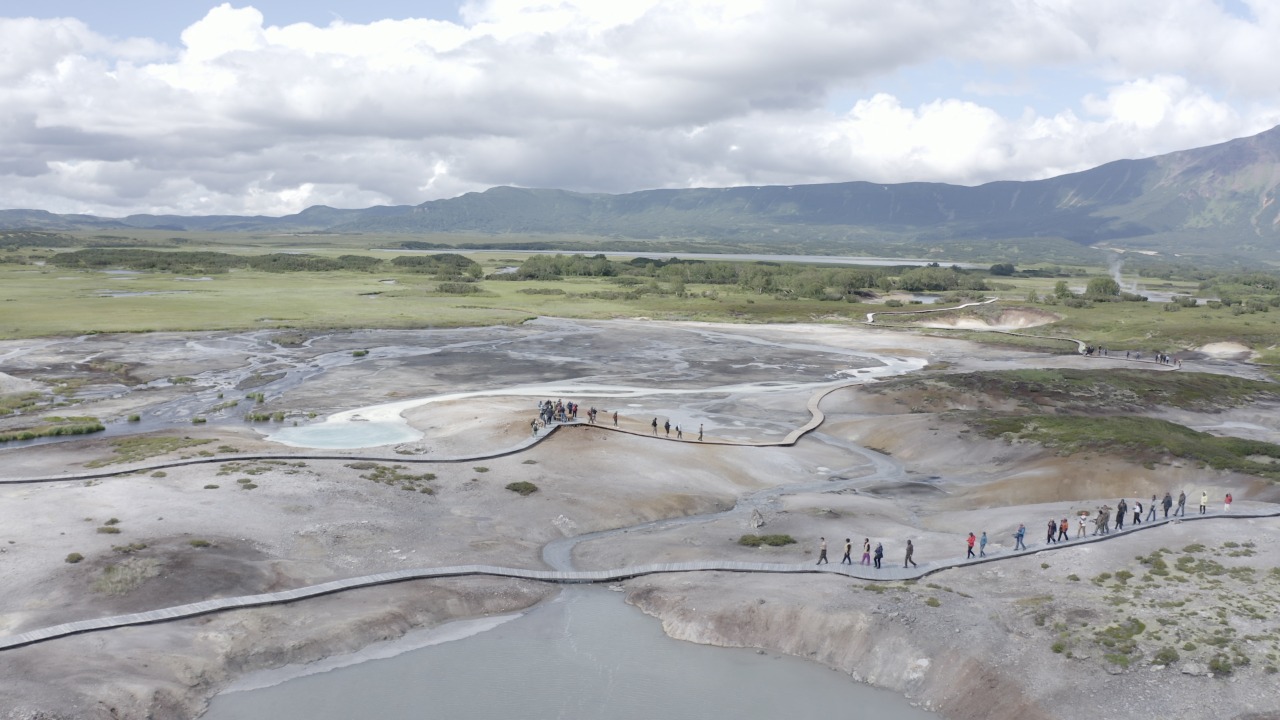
(971, 541)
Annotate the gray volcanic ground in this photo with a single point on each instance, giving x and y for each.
(605, 499)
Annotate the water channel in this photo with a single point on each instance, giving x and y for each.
(583, 656)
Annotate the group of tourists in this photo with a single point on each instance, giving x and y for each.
(1162, 358)
(868, 557)
(666, 426)
(1102, 524)
(1058, 530)
(559, 411)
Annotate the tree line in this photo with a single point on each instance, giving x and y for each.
(444, 265)
(780, 279)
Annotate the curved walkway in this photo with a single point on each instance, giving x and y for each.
(861, 572)
(813, 405)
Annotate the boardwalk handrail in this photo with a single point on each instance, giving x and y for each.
(860, 572)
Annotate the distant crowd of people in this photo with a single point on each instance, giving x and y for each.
(1057, 530)
(1162, 358)
(559, 411)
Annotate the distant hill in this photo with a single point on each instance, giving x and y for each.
(1220, 199)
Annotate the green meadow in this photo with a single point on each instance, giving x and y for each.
(39, 297)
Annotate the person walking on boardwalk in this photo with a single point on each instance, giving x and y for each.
(1167, 503)
(699, 432)
(866, 551)
(1182, 505)
(533, 425)
(822, 551)
(848, 552)
(910, 550)
(1137, 511)
(971, 540)
(1064, 530)
(879, 554)
(1083, 524)
(1226, 504)
(1151, 510)
(1204, 501)
(1121, 509)
(679, 433)
(982, 544)
(655, 427)
(1022, 532)
(615, 418)
(667, 426)
(1053, 531)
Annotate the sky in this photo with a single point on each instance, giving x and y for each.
(269, 107)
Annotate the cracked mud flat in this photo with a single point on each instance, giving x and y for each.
(311, 521)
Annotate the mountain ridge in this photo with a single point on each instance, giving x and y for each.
(1221, 196)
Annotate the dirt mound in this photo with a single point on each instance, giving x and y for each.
(1006, 319)
(1227, 350)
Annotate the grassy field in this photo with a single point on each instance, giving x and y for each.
(44, 300)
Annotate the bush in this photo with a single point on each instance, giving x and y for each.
(211, 486)
(200, 543)
(109, 530)
(770, 540)
(359, 353)
(933, 602)
(159, 474)
(135, 418)
(1166, 656)
(74, 558)
(522, 488)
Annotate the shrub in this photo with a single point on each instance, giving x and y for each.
(1058, 647)
(212, 486)
(1166, 656)
(74, 558)
(933, 602)
(200, 543)
(109, 530)
(1220, 665)
(112, 521)
(359, 353)
(135, 418)
(1073, 577)
(159, 474)
(198, 421)
(770, 540)
(522, 488)
(481, 469)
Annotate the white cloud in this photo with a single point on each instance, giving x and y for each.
(609, 96)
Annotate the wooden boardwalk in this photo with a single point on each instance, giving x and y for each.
(858, 572)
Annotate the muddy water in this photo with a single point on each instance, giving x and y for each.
(583, 656)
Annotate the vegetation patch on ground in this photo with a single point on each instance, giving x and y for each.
(394, 476)
(1174, 608)
(135, 449)
(1140, 438)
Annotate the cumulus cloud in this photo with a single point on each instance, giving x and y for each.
(250, 117)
